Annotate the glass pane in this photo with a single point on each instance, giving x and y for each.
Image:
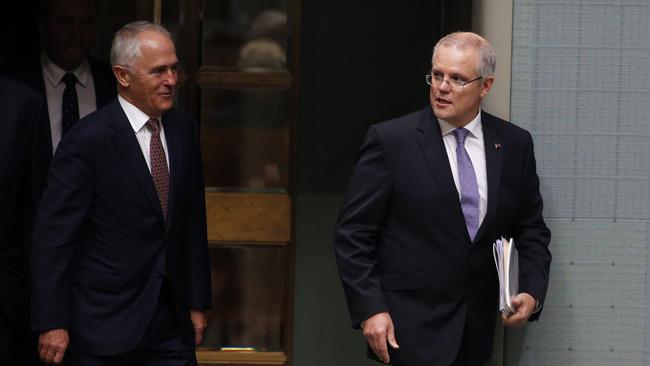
(172, 16)
(245, 33)
(245, 139)
(248, 289)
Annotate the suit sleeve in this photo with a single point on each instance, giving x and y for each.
(358, 225)
(34, 181)
(533, 236)
(61, 214)
(198, 256)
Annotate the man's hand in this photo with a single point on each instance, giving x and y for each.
(199, 323)
(524, 307)
(378, 329)
(52, 345)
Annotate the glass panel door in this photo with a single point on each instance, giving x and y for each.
(238, 81)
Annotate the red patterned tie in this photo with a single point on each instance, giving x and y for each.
(159, 170)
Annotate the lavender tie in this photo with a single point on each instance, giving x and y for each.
(469, 200)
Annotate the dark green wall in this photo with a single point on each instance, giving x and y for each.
(361, 62)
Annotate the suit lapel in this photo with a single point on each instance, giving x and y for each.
(493, 157)
(173, 137)
(37, 80)
(429, 138)
(127, 146)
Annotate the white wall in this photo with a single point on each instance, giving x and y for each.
(493, 20)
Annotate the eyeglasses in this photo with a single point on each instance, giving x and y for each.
(454, 83)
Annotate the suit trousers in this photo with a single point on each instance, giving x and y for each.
(162, 344)
(462, 358)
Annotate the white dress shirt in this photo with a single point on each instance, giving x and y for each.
(138, 119)
(475, 147)
(54, 87)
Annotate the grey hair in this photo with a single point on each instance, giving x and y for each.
(126, 42)
(461, 40)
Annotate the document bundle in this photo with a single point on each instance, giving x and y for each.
(506, 259)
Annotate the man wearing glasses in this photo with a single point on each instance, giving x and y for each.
(431, 191)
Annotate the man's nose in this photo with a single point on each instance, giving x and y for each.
(74, 30)
(171, 77)
(444, 85)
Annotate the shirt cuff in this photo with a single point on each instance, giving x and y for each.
(538, 307)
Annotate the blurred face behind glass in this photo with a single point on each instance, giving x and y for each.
(68, 32)
(458, 106)
(151, 78)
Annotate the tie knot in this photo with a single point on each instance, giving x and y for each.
(461, 134)
(154, 125)
(69, 79)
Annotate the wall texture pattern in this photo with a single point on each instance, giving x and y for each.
(581, 85)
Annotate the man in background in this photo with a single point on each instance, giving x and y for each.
(120, 265)
(21, 182)
(72, 83)
(430, 193)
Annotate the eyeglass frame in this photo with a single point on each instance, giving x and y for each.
(453, 83)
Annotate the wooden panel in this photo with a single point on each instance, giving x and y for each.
(240, 358)
(213, 77)
(248, 217)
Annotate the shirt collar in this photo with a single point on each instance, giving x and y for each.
(53, 73)
(475, 127)
(136, 117)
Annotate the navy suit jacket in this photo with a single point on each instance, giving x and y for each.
(21, 182)
(402, 245)
(101, 245)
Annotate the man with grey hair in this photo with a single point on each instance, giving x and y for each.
(430, 193)
(120, 262)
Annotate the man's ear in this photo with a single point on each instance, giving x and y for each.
(486, 85)
(122, 76)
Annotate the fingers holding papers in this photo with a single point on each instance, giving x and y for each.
(524, 305)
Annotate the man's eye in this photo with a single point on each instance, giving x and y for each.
(65, 20)
(88, 22)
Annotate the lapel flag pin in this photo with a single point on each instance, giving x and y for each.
(497, 145)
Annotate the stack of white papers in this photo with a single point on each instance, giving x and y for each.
(506, 258)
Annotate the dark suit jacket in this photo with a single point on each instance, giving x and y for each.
(402, 245)
(32, 76)
(101, 245)
(20, 185)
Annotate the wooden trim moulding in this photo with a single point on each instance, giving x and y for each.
(212, 77)
(240, 358)
(255, 218)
